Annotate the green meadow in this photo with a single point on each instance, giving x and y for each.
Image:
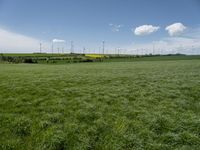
(136, 105)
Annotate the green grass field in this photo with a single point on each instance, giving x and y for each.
(150, 105)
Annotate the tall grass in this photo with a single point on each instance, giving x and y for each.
(123, 105)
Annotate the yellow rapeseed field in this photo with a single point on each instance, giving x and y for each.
(95, 55)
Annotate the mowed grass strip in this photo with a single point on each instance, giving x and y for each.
(119, 105)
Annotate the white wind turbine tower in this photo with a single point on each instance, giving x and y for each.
(52, 47)
(40, 47)
(72, 47)
(103, 46)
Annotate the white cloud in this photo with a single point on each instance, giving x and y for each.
(58, 41)
(14, 42)
(175, 29)
(145, 29)
(115, 27)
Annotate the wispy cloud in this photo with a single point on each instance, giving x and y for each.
(168, 45)
(115, 27)
(15, 42)
(145, 29)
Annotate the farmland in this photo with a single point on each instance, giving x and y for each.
(47, 58)
(111, 105)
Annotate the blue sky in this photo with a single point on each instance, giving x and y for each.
(89, 22)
